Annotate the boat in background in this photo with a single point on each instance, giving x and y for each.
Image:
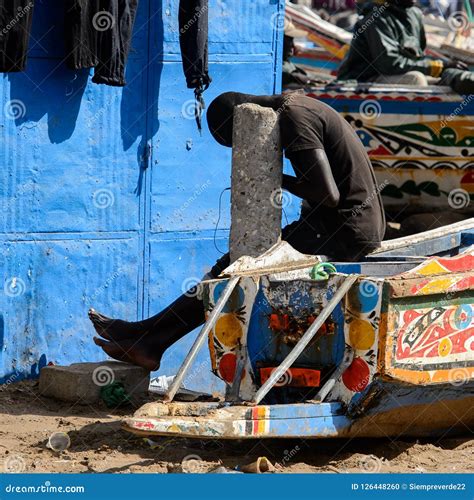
(449, 38)
(420, 141)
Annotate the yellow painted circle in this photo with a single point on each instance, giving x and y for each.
(444, 347)
(228, 330)
(361, 334)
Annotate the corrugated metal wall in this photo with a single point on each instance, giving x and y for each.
(89, 219)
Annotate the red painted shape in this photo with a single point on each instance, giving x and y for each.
(410, 315)
(294, 377)
(458, 264)
(144, 425)
(380, 151)
(227, 366)
(462, 284)
(255, 421)
(356, 377)
(279, 321)
(468, 178)
(418, 286)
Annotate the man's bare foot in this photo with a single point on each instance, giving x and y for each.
(115, 329)
(139, 351)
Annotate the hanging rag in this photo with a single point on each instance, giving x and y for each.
(98, 34)
(193, 38)
(80, 37)
(15, 27)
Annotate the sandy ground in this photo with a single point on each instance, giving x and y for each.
(97, 444)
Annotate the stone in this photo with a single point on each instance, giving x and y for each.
(81, 383)
(257, 167)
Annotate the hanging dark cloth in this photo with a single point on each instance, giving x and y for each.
(15, 27)
(80, 36)
(193, 39)
(98, 34)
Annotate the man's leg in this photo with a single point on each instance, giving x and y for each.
(410, 78)
(459, 80)
(144, 342)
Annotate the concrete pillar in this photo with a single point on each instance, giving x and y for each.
(257, 165)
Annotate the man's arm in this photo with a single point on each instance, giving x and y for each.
(387, 57)
(314, 180)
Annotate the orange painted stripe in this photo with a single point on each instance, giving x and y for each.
(260, 422)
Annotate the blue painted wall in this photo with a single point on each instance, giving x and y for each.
(88, 219)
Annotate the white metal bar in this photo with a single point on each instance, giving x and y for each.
(178, 380)
(327, 387)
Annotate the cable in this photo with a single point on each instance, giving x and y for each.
(219, 219)
(286, 217)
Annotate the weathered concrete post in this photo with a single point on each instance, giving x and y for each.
(257, 165)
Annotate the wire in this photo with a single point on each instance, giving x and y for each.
(286, 217)
(219, 219)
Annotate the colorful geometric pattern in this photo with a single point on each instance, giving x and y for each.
(430, 339)
(228, 338)
(362, 315)
(428, 324)
(421, 144)
(438, 275)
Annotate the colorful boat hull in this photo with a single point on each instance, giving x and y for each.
(407, 321)
(420, 142)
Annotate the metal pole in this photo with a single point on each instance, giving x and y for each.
(305, 339)
(177, 381)
(327, 387)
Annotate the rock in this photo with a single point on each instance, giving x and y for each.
(81, 382)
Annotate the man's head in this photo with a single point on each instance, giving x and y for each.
(404, 4)
(220, 114)
(288, 47)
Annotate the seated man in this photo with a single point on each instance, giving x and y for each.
(342, 215)
(388, 47)
(290, 72)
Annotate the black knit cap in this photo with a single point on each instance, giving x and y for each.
(404, 4)
(220, 113)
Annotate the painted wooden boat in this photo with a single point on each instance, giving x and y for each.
(383, 347)
(420, 142)
(450, 38)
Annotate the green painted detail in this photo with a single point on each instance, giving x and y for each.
(322, 271)
(413, 189)
(446, 137)
(431, 301)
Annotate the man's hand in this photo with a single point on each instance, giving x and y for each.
(452, 64)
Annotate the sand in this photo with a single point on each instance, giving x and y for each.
(97, 444)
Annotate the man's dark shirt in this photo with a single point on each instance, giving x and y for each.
(358, 220)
